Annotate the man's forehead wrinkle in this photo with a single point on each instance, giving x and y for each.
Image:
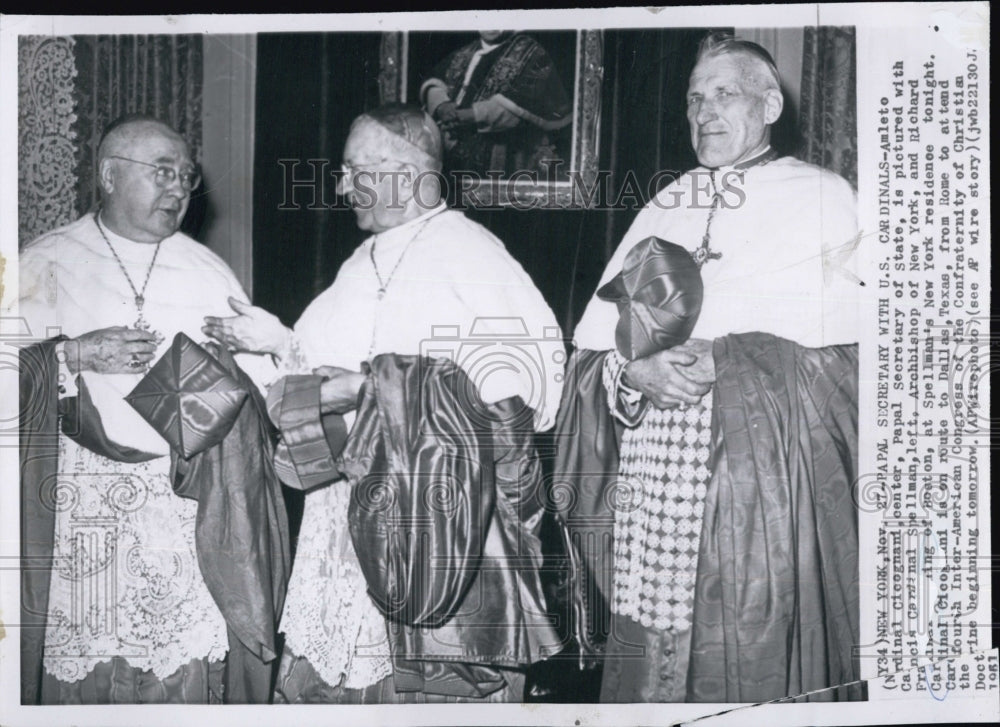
(134, 138)
(372, 143)
(181, 158)
(713, 79)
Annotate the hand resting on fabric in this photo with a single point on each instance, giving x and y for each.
(339, 393)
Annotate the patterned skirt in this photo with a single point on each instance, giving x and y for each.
(664, 473)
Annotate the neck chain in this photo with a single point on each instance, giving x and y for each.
(140, 299)
(383, 284)
(704, 253)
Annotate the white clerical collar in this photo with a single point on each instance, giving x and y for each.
(765, 155)
(484, 48)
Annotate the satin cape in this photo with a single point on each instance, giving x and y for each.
(776, 610)
(241, 530)
(444, 517)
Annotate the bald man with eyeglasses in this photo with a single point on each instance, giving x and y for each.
(123, 615)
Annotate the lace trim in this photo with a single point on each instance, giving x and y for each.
(658, 528)
(329, 618)
(125, 579)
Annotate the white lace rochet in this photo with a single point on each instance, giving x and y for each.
(125, 579)
(329, 617)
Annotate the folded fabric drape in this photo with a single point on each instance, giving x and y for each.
(777, 602)
(241, 530)
(776, 608)
(658, 293)
(444, 517)
(586, 468)
(188, 397)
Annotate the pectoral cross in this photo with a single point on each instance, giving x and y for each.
(141, 322)
(704, 253)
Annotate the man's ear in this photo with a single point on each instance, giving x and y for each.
(408, 176)
(774, 102)
(106, 176)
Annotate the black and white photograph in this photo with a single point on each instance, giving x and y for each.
(519, 367)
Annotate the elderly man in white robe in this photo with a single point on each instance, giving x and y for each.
(425, 281)
(128, 616)
(770, 234)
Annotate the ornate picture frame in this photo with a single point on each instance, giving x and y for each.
(572, 185)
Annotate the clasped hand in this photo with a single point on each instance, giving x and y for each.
(449, 116)
(338, 394)
(679, 375)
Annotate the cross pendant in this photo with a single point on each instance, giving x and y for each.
(703, 254)
(141, 322)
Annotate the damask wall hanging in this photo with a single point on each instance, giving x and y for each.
(828, 113)
(46, 144)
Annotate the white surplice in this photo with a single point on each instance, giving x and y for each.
(450, 290)
(786, 230)
(125, 580)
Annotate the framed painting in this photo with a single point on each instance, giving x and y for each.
(519, 113)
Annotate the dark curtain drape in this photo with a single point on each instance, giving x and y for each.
(310, 86)
(828, 111)
(159, 75)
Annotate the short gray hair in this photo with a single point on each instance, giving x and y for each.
(761, 69)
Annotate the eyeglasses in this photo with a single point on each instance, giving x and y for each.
(165, 175)
(351, 170)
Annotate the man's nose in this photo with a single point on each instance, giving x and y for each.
(176, 188)
(344, 183)
(706, 111)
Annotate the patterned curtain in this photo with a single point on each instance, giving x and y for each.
(160, 75)
(46, 179)
(828, 115)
